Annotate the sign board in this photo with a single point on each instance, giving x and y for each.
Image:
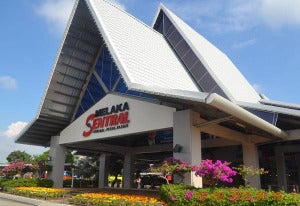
(116, 115)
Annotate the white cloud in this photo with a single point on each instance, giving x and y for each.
(7, 82)
(278, 13)
(243, 44)
(15, 128)
(219, 16)
(237, 15)
(56, 13)
(8, 145)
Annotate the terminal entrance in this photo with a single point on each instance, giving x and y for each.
(138, 152)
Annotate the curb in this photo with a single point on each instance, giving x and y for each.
(31, 201)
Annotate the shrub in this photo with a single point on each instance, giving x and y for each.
(173, 166)
(45, 183)
(2, 180)
(13, 169)
(249, 171)
(26, 183)
(187, 195)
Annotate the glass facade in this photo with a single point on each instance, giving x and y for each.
(269, 158)
(106, 78)
(184, 52)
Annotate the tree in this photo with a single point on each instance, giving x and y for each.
(18, 155)
(69, 157)
(42, 157)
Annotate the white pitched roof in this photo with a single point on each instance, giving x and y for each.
(142, 54)
(225, 73)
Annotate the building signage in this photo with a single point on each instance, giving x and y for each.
(107, 119)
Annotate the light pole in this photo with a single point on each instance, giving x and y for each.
(72, 173)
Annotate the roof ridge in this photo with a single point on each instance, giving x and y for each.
(133, 17)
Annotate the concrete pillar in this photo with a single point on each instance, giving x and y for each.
(57, 154)
(128, 171)
(189, 137)
(281, 171)
(103, 170)
(250, 158)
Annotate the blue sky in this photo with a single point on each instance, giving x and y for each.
(261, 37)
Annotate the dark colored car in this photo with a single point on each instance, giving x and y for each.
(152, 180)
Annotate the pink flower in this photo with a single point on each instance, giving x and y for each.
(189, 194)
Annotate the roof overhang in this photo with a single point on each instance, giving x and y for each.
(214, 106)
(76, 56)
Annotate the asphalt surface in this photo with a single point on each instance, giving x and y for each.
(14, 200)
(6, 202)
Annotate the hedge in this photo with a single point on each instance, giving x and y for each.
(9, 183)
(177, 195)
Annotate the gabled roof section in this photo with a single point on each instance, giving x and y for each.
(217, 64)
(142, 54)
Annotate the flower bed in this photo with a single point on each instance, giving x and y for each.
(104, 199)
(38, 192)
(187, 195)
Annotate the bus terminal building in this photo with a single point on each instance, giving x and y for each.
(119, 87)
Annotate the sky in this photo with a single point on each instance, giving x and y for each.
(261, 37)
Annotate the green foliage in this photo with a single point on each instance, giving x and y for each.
(69, 157)
(45, 183)
(9, 183)
(42, 157)
(249, 171)
(2, 180)
(225, 196)
(18, 155)
(86, 167)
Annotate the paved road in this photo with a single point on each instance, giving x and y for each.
(6, 202)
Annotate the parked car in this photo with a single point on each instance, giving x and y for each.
(152, 180)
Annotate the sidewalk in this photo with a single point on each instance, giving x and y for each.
(35, 202)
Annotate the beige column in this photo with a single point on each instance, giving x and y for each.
(57, 154)
(128, 171)
(103, 171)
(189, 138)
(250, 158)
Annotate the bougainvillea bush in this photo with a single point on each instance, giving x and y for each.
(187, 195)
(13, 169)
(215, 172)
